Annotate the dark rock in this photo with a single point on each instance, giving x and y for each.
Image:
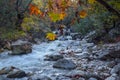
(76, 36)
(111, 64)
(90, 75)
(116, 69)
(117, 60)
(39, 78)
(64, 64)
(6, 70)
(16, 74)
(12, 72)
(21, 49)
(113, 77)
(5, 44)
(110, 55)
(53, 57)
(36, 36)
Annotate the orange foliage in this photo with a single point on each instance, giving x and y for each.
(62, 15)
(35, 10)
(83, 14)
(57, 9)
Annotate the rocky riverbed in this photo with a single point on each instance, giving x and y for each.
(63, 60)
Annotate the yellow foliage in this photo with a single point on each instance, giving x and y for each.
(83, 14)
(62, 15)
(56, 16)
(27, 22)
(51, 36)
(39, 3)
(53, 16)
(91, 1)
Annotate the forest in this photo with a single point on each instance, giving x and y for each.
(59, 40)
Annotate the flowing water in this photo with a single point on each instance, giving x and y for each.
(34, 62)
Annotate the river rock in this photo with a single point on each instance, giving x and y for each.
(16, 74)
(39, 77)
(113, 77)
(76, 36)
(64, 64)
(21, 49)
(92, 78)
(81, 79)
(6, 70)
(116, 69)
(62, 77)
(111, 64)
(3, 78)
(83, 55)
(109, 55)
(53, 57)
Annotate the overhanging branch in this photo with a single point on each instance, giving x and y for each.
(108, 7)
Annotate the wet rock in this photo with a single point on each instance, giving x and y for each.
(6, 70)
(64, 64)
(53, 57)
(78, 51)
(82, 55)
(3, 78)
(81, 79)
(109, 55)
(90, 37)
(12, 72)
(16, 74)
(76, 36)
(21, 49)
(62, 77)
(116, 69)
(117, 60)
(111, 64)
(39, 77)
(87, 45)
(92, 78)
(90, 75)
(112, 77)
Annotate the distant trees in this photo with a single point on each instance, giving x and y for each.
(12, 12)
(21, 7)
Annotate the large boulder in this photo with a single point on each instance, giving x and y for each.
(16, 74)
(53, 57)
(6, 70)
(76, 36)
(12, 72)
(64, 64)
(5, 44)
(21, 49)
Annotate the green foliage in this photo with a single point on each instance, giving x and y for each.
(98, 18)
(7, 13)
(27, 23)
(85, 26)
(11, 34)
